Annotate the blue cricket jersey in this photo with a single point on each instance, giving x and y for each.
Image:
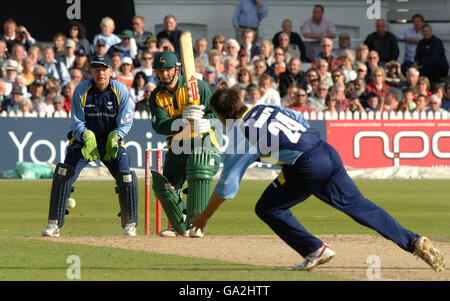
(101, 112)
(266, 130)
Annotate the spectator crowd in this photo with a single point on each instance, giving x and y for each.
(369, 78)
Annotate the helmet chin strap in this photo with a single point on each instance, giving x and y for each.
(170, 82)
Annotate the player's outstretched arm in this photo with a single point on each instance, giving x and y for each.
(199, 222)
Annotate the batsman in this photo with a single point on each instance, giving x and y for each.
(102, 117)
(193, 145)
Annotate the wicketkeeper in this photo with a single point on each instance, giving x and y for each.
(193, 145)
(102, 117)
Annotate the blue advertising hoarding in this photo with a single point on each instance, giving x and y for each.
(41, 140)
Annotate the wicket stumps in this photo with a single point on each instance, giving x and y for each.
(158, 168)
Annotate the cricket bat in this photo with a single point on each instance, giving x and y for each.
(187, 61)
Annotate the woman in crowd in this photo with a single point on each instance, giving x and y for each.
(137, 91)
(266, 53)
(126, 72)
(378, 83)
(244, 78)
(423, 87)
(77, 32)
(218, 43)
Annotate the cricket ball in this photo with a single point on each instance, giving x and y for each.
(71, 203)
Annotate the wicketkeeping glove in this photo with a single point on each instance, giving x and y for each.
(193, 112)
(112, 146)
(89, 150)
(201, 126)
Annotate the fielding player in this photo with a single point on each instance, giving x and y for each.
(309, 166)
(193, 145)
(102, 117)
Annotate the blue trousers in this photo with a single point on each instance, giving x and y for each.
(75, 158)
(321, 173)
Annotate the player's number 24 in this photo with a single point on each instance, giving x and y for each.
(290, 127)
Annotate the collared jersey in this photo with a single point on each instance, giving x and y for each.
(167, 106)
(265, 130)
(101, 112)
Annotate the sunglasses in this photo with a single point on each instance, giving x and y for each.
(300, 95)
(147, 58)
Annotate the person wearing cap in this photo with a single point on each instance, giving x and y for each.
(37, 91)
(68, 58)
(126, 72)
(58, 104)
(100, 47)
(127, 46)
(82, 63)
(10, 70)
(151, 43)
(170, 113)
(11, 103)
(344, 45)
(209, 76)
(102, 118)
(361, 71)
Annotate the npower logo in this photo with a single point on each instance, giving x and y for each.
(428, 144)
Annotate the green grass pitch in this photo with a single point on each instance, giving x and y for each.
(422, 206)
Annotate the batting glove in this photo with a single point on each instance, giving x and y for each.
(112, 146)
(89, 150)
(202, 126)
(193, 112)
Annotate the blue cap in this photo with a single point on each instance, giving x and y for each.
(101, 60)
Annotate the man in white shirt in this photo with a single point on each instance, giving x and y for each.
(411, 36)
(68, 58)
(269, 95)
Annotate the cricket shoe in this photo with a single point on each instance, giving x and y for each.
(318, 257)
(197, 233)
(423, 248)
(52, 229)
(130, 229)
(171, 232)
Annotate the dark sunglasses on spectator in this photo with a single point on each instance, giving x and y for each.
(299, 94)
(147, 58)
